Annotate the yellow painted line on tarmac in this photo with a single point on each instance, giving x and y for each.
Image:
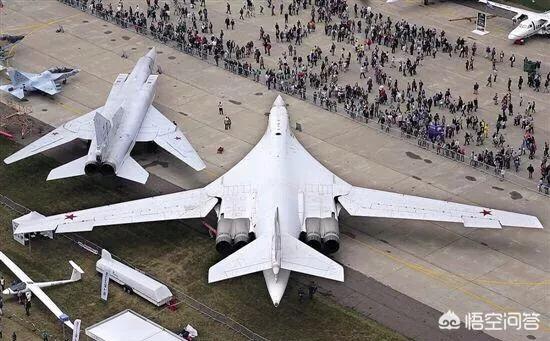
(37, 27)
(512, 283)
(446, 279)
(441, 277)
(70, 108)
(435, 275)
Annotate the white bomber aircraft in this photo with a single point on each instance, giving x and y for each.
(531, 23)
(27, 285)
(127, 117)
(277, 208)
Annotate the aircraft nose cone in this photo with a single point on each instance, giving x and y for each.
(279, 102)
(152, 53)
(512, 36)
(6, 292)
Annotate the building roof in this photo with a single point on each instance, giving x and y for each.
(129, 326)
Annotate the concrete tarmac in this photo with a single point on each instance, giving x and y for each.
(441, 265)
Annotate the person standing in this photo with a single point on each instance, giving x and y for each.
(220, 108)
(227, 122)
(530, 169)
(312, 290)
(28, 307)
(301, 295)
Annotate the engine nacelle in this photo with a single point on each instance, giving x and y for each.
(232, 234)
(323, 234)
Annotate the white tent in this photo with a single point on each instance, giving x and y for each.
(129, 326)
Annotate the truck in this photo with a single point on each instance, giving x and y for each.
(133, 281)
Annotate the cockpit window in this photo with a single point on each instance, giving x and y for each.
(18, 286)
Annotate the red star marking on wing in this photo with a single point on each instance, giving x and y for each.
(485, 212)
(178, 138)
(55, 133)
(69, 216)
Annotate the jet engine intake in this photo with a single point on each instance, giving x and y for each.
(232, 234)
(323, 234)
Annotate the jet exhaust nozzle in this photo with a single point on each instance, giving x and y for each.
(91, 168)
(107, 169)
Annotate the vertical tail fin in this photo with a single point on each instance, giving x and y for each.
(77, 272)
(16, 77)
(102, 127)
(106, 255)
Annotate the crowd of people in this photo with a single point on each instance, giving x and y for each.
(383, 49)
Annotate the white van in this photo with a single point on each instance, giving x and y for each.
(134, 281)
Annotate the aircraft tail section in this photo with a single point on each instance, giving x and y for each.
(77, 272)
(102, 127)
(68, 170)
(262, 254)
(16, 76)
(133, 171)
(251, 258)
(300, 257)
(17, 92)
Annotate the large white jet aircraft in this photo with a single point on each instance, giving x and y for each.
(35, 288)
(127, 117)
(531, 23)
(277, 208)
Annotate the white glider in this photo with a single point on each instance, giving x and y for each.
(35, 288)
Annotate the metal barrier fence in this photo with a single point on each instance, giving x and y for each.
(232, 65)
(182, 296)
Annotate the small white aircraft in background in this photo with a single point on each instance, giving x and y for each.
(531, 22)
(27, 285)
(277, 209)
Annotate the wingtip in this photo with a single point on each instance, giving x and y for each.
(200, 165)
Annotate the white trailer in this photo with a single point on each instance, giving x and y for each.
(134, 281)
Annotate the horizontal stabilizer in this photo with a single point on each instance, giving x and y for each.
(77, 272)
(131, 170)
(300, 257)
(254, 257)
(17, 92)
(73, 168)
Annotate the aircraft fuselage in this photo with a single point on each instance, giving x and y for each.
(126, 109)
